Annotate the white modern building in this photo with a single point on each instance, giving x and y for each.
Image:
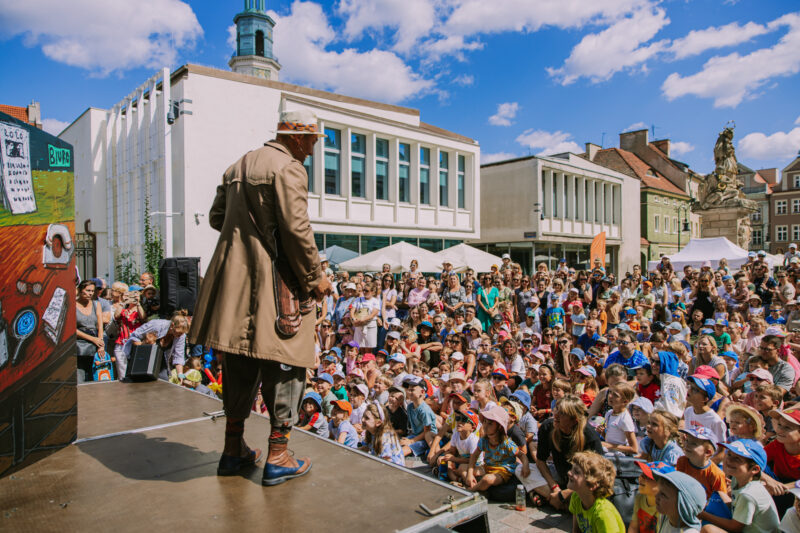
(542, 208)
(381, 175)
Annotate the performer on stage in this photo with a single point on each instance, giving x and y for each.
(261, 212)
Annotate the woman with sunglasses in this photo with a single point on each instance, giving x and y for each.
(704, 294)
(326, 336)
(561, 355)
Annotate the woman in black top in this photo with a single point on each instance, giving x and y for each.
(560, 438)
(704, 294)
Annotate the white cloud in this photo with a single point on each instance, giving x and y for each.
(465, 80)
(680, 147)
(635, 126)
(797, 121)
(232, 37)
(102, 36)
(54, 126)
(619, 47)
(505, 114)
(733, 78)
(302, 47)
(412, 19)
(548, 143)
(779, 145)
(497, 156)
(698, 41)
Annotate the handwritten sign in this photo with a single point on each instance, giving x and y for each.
(15, 159)
(58, 157)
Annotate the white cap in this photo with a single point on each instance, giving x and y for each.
(793, 245)
(350, 286)
(457, 356)
(527, 331)
(322, 257)
(505, 256)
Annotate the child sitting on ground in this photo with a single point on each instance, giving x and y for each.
(752, 507)
(620, 433)
(311, 417)
(640, 409)
(644, 504)
(699, 445)
(380, 439)
(421, 419)
(768, 398)
(679, 500)
(661, 442)
(500, 454)
(457, 451)
(592, 480)
(744, 422)
(340, 428)
(699, 415)
(647, 384)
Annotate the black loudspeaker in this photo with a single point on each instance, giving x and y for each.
(179, 279)
(145, 362)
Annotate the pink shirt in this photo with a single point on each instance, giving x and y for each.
(417, 296)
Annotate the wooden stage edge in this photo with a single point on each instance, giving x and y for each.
(146, 459)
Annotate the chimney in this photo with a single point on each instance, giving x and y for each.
(770, 175)
(35, 114)
(663, 145)
(591, 150)
(633, 141)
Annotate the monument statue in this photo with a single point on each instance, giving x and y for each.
(722, 187)
(722, 203)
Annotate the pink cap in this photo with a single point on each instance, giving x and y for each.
(705, 371)
(762, 374)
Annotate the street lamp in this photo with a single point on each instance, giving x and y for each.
(684, 209)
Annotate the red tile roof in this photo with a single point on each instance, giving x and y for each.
(627, 163)
(20, 113)
(644, 242)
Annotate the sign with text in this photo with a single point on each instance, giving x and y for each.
(58, 157)
(15, 159)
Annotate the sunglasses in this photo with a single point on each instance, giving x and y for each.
(461, 419)
(403, 336)
(623, 343)
(563, 342)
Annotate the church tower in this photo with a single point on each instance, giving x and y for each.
(253, 55)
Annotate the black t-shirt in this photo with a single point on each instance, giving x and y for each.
(560, 460)
(517, 435)
(399, 420)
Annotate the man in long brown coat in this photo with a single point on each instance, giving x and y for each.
(263, 199)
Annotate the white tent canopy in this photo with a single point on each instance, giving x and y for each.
(697, 251)
(399, 256)
(469, 257)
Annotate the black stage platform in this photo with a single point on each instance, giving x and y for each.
(146, 459)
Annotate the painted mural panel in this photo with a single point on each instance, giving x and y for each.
(37, 292)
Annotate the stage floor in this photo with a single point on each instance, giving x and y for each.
(146, 459)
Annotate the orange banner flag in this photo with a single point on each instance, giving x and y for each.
(598, 249)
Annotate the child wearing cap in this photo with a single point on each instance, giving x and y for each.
(752, 506)
(620, 430)
(744, 422)
(323, 384)
(783, 456)
(585, 386)
(340, 428)
(380, 438)
(396, 405)
(311, 417)
(645, 514)
(775, 317)
(640, 409)
(457, 451)
(591, 479)
(699, 445)
(699, 414)
(500, 454)
(500, 383)
(578, 319)
(679, 500)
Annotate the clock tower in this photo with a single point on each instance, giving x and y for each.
(253, 55)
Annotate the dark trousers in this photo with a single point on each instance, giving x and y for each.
(282, 388)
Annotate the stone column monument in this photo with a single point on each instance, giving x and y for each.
(722, 204)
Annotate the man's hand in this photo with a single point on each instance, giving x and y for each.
(323, 289)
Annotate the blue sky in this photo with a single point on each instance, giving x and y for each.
(521, 76)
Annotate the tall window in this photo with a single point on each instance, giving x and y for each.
(795, 206)
(404, 169)
(444, 177)
(781, 233)
(586, 200)
(333, 154)
(674, 225)
(555, 194)
(424, 176)
(796, 181)
(757, 237)
(462, 163)
(358, 154)
(780, 207)
(756, 216)
(575, 190)
(309, 164)
(796, 232)
(597, 202)
(566, 195)
(666, 224)
(655, 223)
(381, 169)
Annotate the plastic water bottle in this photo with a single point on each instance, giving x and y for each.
(443, 470)
(520, 498)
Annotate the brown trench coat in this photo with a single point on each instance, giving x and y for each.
(235, 310)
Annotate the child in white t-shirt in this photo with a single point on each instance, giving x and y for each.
(620, 429)
(463, 442)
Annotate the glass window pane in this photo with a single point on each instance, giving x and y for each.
(345, 241)
(461, 191)
(404, 188)
(424, 156)
(331, 173)
(412, 240)
(451, 242)
(443, 192)
(357, 177)
(404, 151)
(443, 160)
(424, 186)
(372, 243)
(381, 180)
(333, 139)
(433, 245)
(381, 148)
(319, 240)
(461, 163)
(358, 143)
(309, 164)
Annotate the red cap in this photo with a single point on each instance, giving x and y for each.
(343, 405)
(706, 372)
(501, 372)
(459, 396)
(367, 357)
(790, 415)
(473, 417)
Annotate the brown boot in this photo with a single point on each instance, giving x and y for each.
(281, 466)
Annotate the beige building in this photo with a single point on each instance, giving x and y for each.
(785, 209)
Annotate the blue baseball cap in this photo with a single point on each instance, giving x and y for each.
(702, 433)
(577, 352)
(523, 397)
(330, 358)
(709, 322)
(727, 277)
(397, 358)
(659, 467)
(313, 396)
(631, 311)
(426, 323)
(134, 288)
(706, 331)
(413, 381)
(705, 385)
(337, 351)
(731, 354)
(721, 322)
(749, 449)
(324, 377)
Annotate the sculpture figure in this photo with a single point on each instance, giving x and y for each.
(722, 187)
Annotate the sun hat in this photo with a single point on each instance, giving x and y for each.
(515, 407)
(790, 415)
(772, 330)
(762, 253)
(362, 388)
(458, 375)
(299, 122)
(393, 335)
(351, 286)
(649, 468)
(505, 256)
(749, 449)
(721, 322)
(644, 404)
(762, 374)
(344, 405)
(522, 397)
(314, 397)
(691, 496)
(356, 372)
(751, 254)
(749, 412)
(702, 433)
(498, 414)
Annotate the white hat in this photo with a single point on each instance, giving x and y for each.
(793, 245)
(350, 286)
(300, 122)
(322, 257)
(762, 252)
(457, 356)
(505, 256)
